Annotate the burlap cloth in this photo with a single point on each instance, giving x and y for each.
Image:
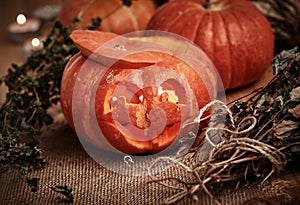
(70, 165)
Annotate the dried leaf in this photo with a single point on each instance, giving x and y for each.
(286, 127)
(295, 111)
(295, 94)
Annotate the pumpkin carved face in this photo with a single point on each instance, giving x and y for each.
(115, 16)
(130, 94)
(234, 34)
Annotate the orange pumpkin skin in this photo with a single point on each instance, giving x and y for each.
(234, 34)
(115, 16)
(126, 134)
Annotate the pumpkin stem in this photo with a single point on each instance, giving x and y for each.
(213, 5)
(210, 4)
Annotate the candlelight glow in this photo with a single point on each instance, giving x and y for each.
(21, 19)
(160, 90)
(35, 42)
(141, 98)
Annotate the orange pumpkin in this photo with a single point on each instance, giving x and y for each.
(234, 34)
(116, 17)
(140, 100)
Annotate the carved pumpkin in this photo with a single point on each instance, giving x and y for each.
(140, 99)
(116, 17)
(234, 34)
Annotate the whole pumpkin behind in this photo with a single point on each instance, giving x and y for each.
(116, 17)
(234, 34)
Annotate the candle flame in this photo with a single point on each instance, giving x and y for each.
(21, 19)
(141, 98)
(35, 42)
(160, 90)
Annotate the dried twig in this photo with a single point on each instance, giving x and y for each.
(257, 147)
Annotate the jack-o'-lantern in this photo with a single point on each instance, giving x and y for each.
(139, 100)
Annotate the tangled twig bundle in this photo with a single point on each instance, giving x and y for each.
(265, 139)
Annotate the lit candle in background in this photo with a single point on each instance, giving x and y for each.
(22, 27)
(33, 44)
(21, 19)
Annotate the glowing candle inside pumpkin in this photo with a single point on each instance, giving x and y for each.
(160, 90)
(141, 98)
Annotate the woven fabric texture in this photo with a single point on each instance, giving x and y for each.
(69, 164)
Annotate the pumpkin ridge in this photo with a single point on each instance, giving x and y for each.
(228, 64)
(244, 48)
(266, 56)
(245, 33)
(194, 14)
(256, 67)
(143, 11)
(206, 20)
(170, 19)
(203, 35)
(112, 11)
(173, 23)
(241, 69)
(253, 67)
(131, 16)
(180, 27)
(198, 26)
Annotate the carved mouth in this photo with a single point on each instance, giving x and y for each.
(150, 110)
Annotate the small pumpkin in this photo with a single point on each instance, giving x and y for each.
(234, 34)
(139, 100)
(115, 16)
